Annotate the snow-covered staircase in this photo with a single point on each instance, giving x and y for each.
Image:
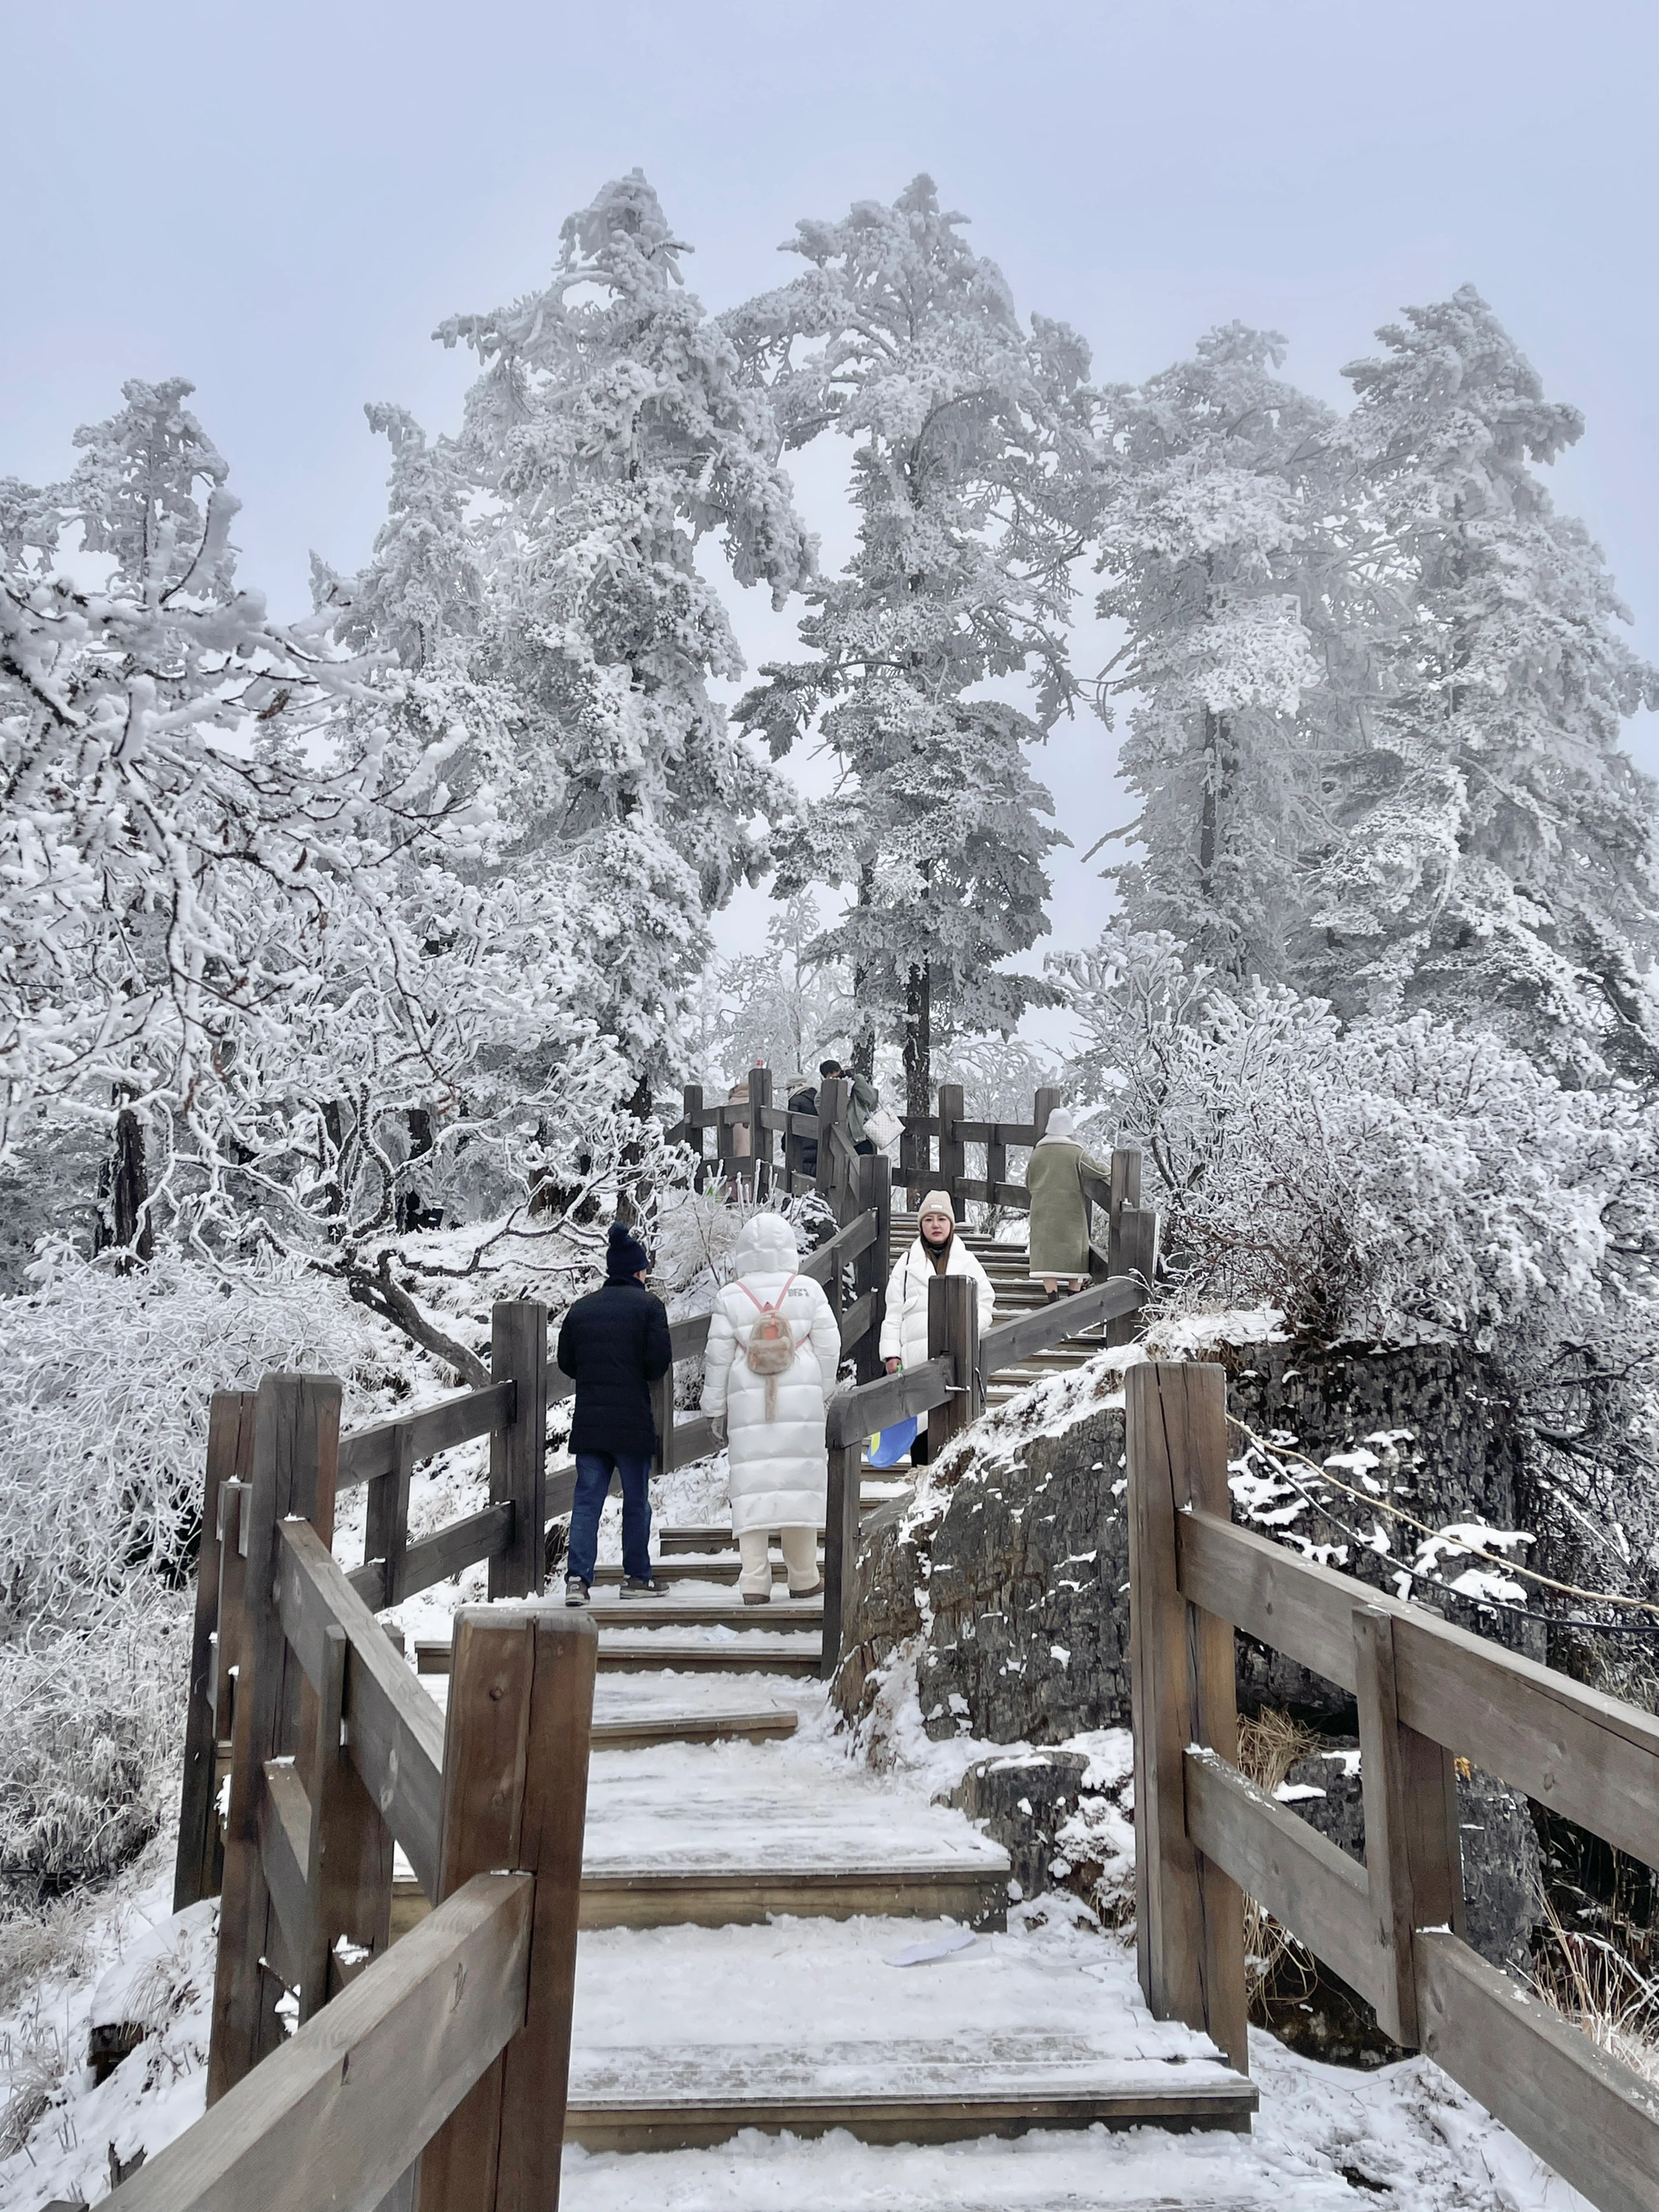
(779, 1940)
(776, 1938)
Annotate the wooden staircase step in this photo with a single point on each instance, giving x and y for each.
(713, 1537)
(653, 2100)
(746, 1897)
(809, 2027)
(757, 1653)
(764, 1649)
(781, 1611)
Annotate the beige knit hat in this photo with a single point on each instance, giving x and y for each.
(936, 1202)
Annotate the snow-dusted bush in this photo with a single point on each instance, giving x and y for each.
(90, 1724)
(105, 1379)
(105, 1384)
(1387, 1179)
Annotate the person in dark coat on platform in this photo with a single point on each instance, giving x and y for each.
(613, 1345)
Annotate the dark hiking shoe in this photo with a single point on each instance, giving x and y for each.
(576, 1590)
(757, 1597)
(635, 1586)
(815, 1590)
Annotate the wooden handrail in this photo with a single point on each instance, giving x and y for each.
(394, 1731)
(1392, 1926)
(1009, 1342)
(435, 1428)
(1583, 1754)
(856, 1414)
(344, 2107)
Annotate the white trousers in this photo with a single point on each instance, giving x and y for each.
(800, 1559)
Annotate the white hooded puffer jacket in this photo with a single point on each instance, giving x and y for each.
(904, 1332)
(778, 1469)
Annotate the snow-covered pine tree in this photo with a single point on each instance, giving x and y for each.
(553, 544)
(1217, 548)
(1491, 853)
(972, 452)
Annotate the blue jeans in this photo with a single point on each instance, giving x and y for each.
(593, 1487)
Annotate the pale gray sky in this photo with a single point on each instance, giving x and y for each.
(282, 202)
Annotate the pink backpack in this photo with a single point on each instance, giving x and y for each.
(772, 1347)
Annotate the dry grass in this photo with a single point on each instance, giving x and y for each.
(1589, 1980)
(1269, 1745)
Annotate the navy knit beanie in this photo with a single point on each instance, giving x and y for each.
(627, 1257)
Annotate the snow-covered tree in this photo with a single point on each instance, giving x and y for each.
(538, 575)
(971, 456)
(1217, 547)
(1386, 1179)
(1489, 852)
(187, 809)
(244, 918)
(780, 1008)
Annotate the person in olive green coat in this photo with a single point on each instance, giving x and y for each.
(1059, 1211)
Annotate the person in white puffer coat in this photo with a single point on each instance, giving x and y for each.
(774, 1423)
(937, 1249)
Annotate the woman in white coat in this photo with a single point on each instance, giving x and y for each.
(937, 1251)
(773, 1352)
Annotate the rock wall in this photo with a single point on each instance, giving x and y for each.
(1004, 1580)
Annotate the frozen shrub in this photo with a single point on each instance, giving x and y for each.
(105, 1384)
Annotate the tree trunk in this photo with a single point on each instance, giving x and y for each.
(411, 1214)
(863, 1052)
(122, 1222)
(630, 1201)
(918, 1040)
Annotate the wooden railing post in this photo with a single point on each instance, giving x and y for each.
(1126, 1197)
(729, 1158)
(1042, 1106)
(691, 1106)
(207, 1716)
(953, 1329)
(662, 1414)
(832, 1167)
(874, 1196)
(840, 1546)
(385, 1534)
(514, 1790)
(794, 1156)
(295, 1457)
(1126, 1191)
(997, 1162)
(349, 1855)
(1189, 1916)
(518, 1455)
(1413, 1865)
(953, 1154)
(760, 1143)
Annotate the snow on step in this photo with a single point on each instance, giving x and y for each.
(722, 1650)
(729, 1832)
(694, 1605)
(1143, 2171)
(688, 2036)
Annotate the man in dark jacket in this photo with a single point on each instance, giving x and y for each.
(613, 1345)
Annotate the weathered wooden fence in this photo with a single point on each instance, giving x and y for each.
(933, 1153)
(1428, 1694)
(432, 2075)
